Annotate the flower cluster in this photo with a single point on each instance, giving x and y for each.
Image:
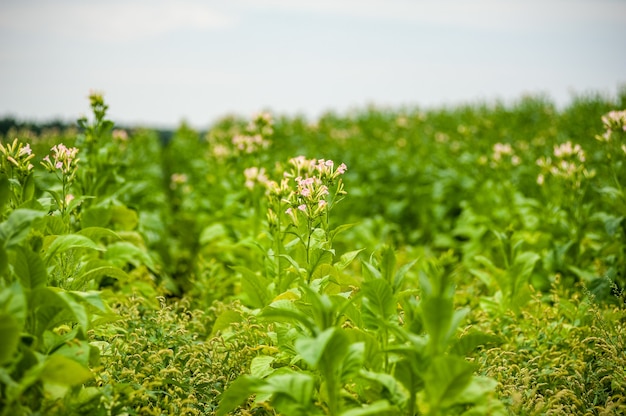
(249, 143)
(261, 123)
(177, 180)
(16, 159)
(119, 135)
(500, 150)
(63, 160)
(255, 175)
(317, 186)
(614, 126)
(615, 120)
(568, 164)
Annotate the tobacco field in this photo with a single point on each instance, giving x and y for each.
(464, 260)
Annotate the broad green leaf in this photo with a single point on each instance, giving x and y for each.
(400, 274)
(324, 270)
(77, 350)
(286, 311)
(96, 217)
(13, 302)
(370, 272)
(61, 370)
(99, 233)
(67, 242)
(17, 226)
(468, 342)
(29, 268)
(224, 320)
(378, 302)
(388, 264)
(55, 307)
(261, 366)
(121, 253)
(353, 361)
(10, 335)
(339, 229)
(95, 270)
(292, 392)
(437, 314)
(478, 389)
(238, 392)
(398, 392)
(312, 349)
(255, 288)
(92, 298)
(446, 377)
(347, 258)
(5, 191)
(379, 407)
(211, 233)
(124, 218)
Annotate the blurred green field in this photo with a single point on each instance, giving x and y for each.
(475, 264)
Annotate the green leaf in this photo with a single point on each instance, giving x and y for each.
(17, 226)
(96, 217)
(92, 298)
(255, 288)
(378, 302)
(67, 242)
(238, 391)
(64, 371)
(13, 303)
(353, 361)
(400, 274)
(388, 264)
(292, 392)
(398, 392)
(478, 389)
(224, 320)
(468, 342)
(446, 377)
(123, 252)
(261, 366)
(370, 272)
(10, 335)
(286, 311)
(95, 270)
(55, 307)
(29, 268)
(347, 258)
(437, 314)
(339, 229)
(212, 233)
(376, 408)
(99, 233)
(124, 218)
(5, 191)
(324, 270)
(312, 349)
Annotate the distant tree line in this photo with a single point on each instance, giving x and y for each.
(8, 123)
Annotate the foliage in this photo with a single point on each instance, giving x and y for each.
(454, 261)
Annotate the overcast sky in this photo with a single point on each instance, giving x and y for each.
(159, 62)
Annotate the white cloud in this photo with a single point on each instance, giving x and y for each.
(484, 14)
(111, 21)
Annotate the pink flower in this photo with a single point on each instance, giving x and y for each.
(342, 169)
(302, 207)
(322, 203)
(58, 165)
